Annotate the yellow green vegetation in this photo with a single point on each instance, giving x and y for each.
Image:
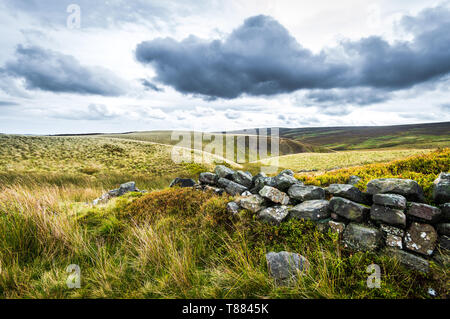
(170, 243)
(422, 168)
(329, 161)
(177, 243)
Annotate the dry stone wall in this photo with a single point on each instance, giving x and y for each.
(391, 216)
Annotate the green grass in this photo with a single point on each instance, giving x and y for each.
(177, 243)
(170, 243)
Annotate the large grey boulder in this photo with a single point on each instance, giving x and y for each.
(348, 209)
(231, 187)
(274, 195)
(243, 178)
(441, 188)
(208, 178)
(359, 237)
(406, 187)
(347, 191)
(390, 200)
(424, 212)
(409, 260)
(421, 238)
(302, 193)
(285, 266)
(262, 181)
(253, 203)
(274, 215)
(284, 181)
(224, 172)
(388, 215)
(311, 210)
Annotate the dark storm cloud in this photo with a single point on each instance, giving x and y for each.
(52, 71)
(261, 58)
(150, 86)
(358, 96)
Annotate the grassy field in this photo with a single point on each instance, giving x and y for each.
(416, 136)
(330, 161)
(170, 243)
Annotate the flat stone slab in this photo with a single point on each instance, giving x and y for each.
(274, 215)
(420, 238)
(311, 210)
(388, 215)
(274, 195)
(302, 193)
(347, 191)
(363, 238)
(424, 212)
(409, 260)
(231, 187)
(224, 172)
(348, 209)
(390, 200)
(405, 187)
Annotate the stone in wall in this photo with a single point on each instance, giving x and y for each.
(441, 188)
(253, 203)
(274, 195)
(424, 212)
(224, 172)
(274, 215)
(302, 193)
(360, 237)
(390, 200)
(347, 191)
(350, 210)
(388, 215)
(231, 187)
(311, 210)
(405, 187)
(420, 238)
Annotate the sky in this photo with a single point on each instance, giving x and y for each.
(117, 66)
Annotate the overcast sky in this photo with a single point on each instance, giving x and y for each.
(221, 65)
